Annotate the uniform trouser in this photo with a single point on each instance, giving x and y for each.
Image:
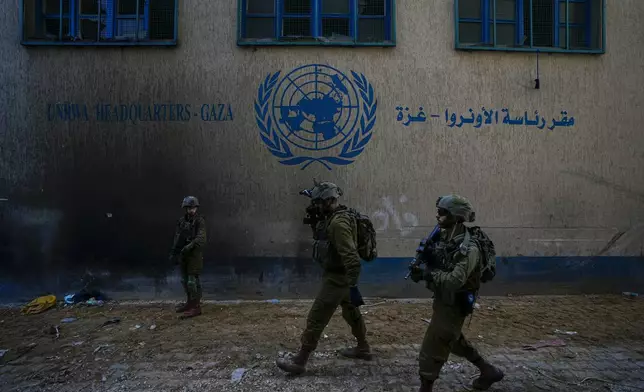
(442, 337)
(327, 301)
(190, 280)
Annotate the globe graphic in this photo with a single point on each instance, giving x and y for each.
(316, 107)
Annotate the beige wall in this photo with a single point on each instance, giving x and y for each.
(562, 192)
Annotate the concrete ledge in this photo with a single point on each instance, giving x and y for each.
(257, 278)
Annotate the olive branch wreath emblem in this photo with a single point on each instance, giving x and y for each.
(279, 147)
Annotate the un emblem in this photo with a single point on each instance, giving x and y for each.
(315, 114)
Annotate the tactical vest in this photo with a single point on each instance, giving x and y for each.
(323, 251)
(446, 252)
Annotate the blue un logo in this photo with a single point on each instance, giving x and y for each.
(315, 113)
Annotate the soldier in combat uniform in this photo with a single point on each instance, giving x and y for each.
(189, 240)
(335, 248)
(454, 275)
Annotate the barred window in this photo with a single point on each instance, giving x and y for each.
(99, 22)
(317, 22)
(531, 25)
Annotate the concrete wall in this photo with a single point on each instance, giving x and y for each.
(101, 196)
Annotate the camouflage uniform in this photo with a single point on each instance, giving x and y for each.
(189, 240)
(335, 250)
(454, 277)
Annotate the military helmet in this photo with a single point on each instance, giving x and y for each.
(325, 190)
(190, 201)
(457, 206)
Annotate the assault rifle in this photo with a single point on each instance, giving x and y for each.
(425, 249)
(312, 212)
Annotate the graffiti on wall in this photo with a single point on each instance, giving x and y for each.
(315, 114)
(486, 117)
(135, 113)
(388, 215)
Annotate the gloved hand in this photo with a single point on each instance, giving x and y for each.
(355, 297)
(186, 249)
(417, 273)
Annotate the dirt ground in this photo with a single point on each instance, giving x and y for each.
(242, 333)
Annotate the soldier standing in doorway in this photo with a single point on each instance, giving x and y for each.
(189, 241)
(335, 248)
(455, 267)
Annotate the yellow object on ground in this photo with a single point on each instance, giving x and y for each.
(39, 305)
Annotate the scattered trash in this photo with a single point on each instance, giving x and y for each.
(91, 297)
(108, 214)
(428, 321)
(545, 343)
(477, 306)
(237, 375)
(565, 332)
(134, 328)
(99, 348)
(376, 304)
(480, 336)
(326, 336)
(153, 327)
(629, 294)
(3, 352)
(54, 330)
(119, 366)
(76, 344)
(94, 302)
(142, 344)
(68, 320)
(39, 305)
(115, 320)
(273, 301)
(491, 308)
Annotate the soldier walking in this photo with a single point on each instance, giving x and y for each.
(453, 272)
(187, 249)
(335, 248)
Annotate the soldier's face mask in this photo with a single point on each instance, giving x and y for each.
(191, 210)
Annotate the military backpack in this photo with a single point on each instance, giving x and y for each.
(488, 254)
(367, 249)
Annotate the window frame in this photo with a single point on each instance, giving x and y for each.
(316, 25)
(75, 17)
(520, 29)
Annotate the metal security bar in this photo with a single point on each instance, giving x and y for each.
(317, 22)
(99, 22)
(576, 26)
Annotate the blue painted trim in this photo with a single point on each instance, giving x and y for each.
(556, 24)
(485, 21)
(567, 25)
(531, 26)
(97, 44)
(316, 25)
(604, 26)
(520, 24)
(278, 19)
(588, 30)
(392, 21)
(176, 22)
(533, 49)
(456, 25)
(353, 14)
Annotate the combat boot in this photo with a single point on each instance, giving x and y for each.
(296, 364)
(183, 306)
(194, 309)
(361, 351)
(426, 386)
(489, 375)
